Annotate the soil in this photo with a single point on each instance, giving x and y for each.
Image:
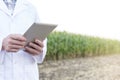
(90, 68)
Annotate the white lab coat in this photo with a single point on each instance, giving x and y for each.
(20, 65)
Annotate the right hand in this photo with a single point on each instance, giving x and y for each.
(13, 42)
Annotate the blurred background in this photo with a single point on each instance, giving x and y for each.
(86, 43)
(89, 17)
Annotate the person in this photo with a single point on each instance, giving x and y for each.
(17, 61)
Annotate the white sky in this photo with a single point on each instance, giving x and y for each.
(90, 17)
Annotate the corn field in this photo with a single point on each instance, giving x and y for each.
(64, 45)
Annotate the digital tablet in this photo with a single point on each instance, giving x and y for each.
(39, 31)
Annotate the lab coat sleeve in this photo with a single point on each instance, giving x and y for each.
(39, 58)
(1, 51)
(1, 43)
(1, 40)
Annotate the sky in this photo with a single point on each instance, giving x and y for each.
(88, 17)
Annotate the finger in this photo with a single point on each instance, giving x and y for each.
(12, 50)
(31, 51)
(38, 42)
(35, 46)
(18, 37)
(16, 42)
(15, 47)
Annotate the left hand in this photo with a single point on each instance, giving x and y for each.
(34, 48)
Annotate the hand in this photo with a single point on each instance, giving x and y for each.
(34, 48)
(13, 42)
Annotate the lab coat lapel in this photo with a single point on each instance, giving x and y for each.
(20, 6)
(3, 7)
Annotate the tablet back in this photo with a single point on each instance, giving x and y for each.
(39, 31)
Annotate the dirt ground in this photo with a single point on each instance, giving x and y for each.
(92, 68)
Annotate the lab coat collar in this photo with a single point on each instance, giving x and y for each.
(3, 7)
(20, 6)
